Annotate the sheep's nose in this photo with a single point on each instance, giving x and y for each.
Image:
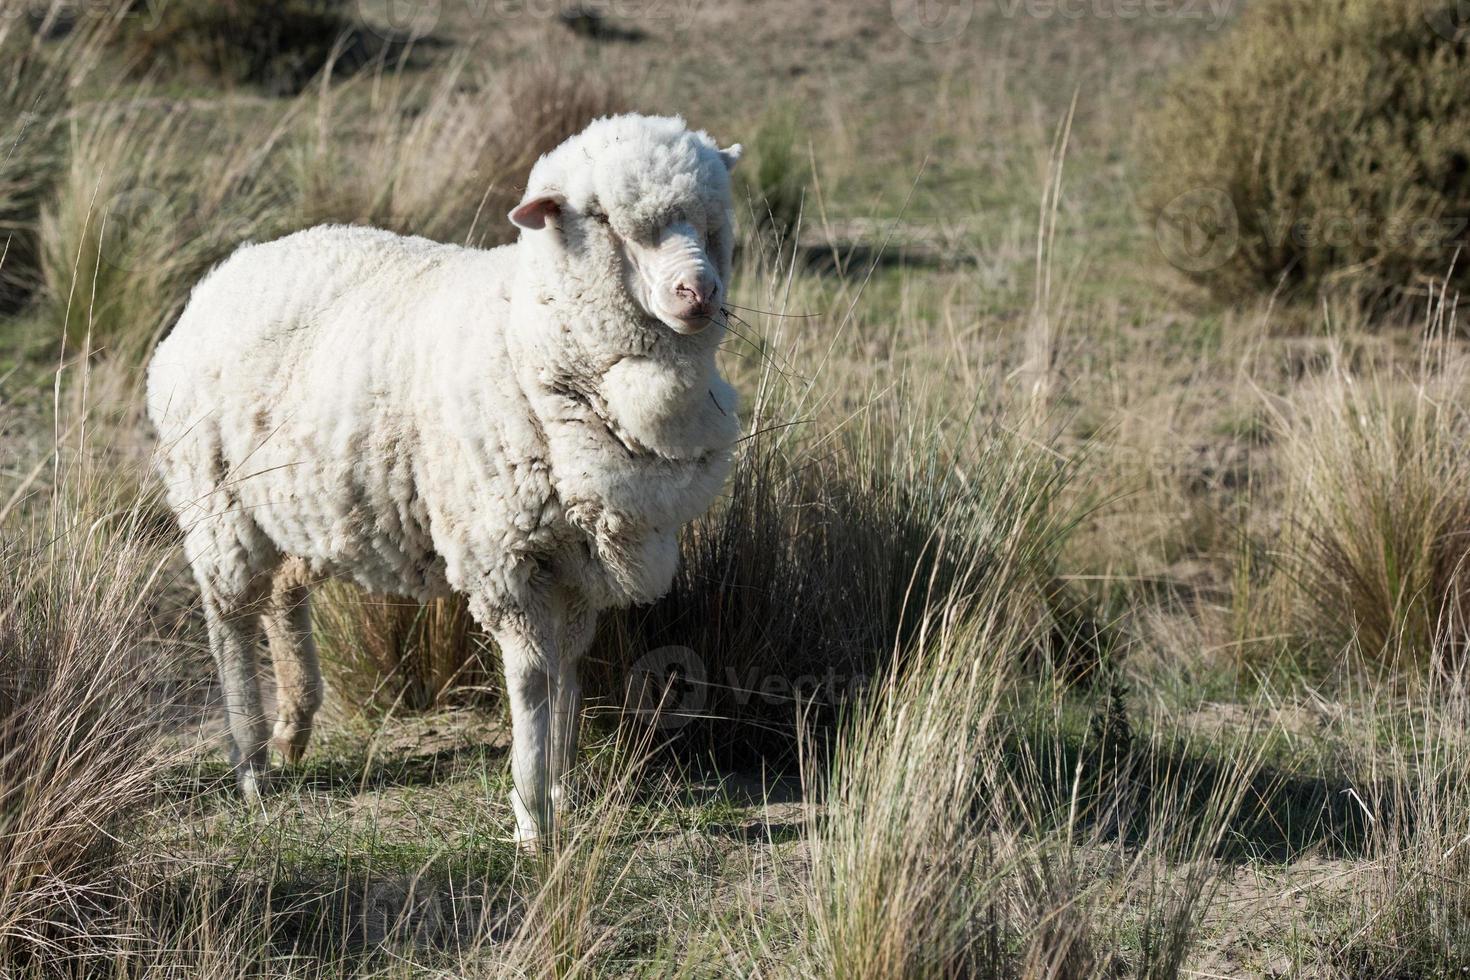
(695, 298)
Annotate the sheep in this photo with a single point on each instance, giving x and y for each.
(528, 426)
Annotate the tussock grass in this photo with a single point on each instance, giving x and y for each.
(84, 675)
(1408, 915)
(818, 569)
(969, 831)
(1376, 523)
(136, 219)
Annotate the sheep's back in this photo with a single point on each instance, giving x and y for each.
(306, 373)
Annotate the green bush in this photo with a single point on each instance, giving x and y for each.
(1319, 146)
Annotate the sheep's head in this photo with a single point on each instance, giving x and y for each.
(641, 204)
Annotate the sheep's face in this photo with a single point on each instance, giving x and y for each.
(643, 205)
(673, 271)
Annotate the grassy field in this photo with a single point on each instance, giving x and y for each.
(1060, 620)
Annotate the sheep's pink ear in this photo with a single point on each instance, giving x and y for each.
(533, 211)
(731, 155)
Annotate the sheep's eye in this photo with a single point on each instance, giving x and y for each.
(600, 216)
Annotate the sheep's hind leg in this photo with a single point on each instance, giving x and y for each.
(233, 633)
(293, 653)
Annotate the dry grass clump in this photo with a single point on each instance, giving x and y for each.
(899, 883)
(381, 653)
(803, 586)
(1409, 914)
(82, 683)
(1376, 518)
(1333, 132)
(969, 832)
(447, 157)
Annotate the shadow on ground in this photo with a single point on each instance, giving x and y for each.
(344, 775)
(1170, 793)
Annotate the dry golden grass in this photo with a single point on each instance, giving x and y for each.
(1375, 523)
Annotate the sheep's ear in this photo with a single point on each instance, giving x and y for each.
(731, 155)
(533, 211)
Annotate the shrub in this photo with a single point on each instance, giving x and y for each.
(1325, 141)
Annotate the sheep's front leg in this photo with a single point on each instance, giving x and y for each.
(578, 626)
(566, 723)
(528, 656)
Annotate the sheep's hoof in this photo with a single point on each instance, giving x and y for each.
(252, 782)
(528, 845)
(563, 800)
(290, 740)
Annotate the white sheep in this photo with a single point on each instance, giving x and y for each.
(528, 426)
